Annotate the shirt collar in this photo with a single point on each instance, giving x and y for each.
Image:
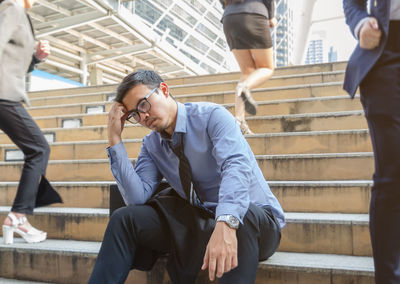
(181, 118)
(180, 126)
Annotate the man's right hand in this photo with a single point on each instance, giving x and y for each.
(370, 34)
(116, 122)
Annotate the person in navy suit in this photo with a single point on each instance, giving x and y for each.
(374, 66)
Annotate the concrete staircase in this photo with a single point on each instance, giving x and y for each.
(311, 143)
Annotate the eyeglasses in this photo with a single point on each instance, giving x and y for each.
(142, 106)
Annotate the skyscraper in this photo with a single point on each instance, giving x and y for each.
(282, 34)
(316, 48)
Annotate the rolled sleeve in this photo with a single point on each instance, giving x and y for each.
(135, 187)
(230, 150)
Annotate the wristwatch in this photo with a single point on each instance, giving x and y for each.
(231, 220)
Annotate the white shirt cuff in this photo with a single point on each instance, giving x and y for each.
(358, 27)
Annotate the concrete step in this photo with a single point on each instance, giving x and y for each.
(333, 233)
(340, 120)
(277, 107)
(221, 97)
(295, 196)
(69, 223)
(77, 259)
(344, 120)
(304, 232)
(72, 98)
(74, 108)
(268, 108)
(308, 105)
(275, 81)
(273, 93)
(339, 141)
(14, 281)
(261, 124)
(53, 261)
(343, 196)
(88, 133)
(282, 71)
(85, 194)
(300, 268)
(225, 85)
(330, 166)
(95, 119)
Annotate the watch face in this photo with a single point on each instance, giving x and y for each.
(233, 221)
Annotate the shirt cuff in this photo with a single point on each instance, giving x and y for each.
(230, 209)
(358, 27)
(116, 152)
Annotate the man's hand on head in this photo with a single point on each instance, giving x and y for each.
(370, 34)
(221, 252)
(116, 122)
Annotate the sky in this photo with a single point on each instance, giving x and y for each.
(337, 32)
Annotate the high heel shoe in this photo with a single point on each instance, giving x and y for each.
(244, 127)
(250, 105)
(31, 235)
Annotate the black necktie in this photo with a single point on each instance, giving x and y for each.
(185, 173)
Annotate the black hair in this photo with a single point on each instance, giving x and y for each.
(148, 78)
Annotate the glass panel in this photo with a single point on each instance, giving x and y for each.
(214, 20)
(175, 31)
(206, 31)
(207, 67)
(183, 15)
(194, 59)
(221, 43)
(147, 11)
(197, 5)
(215, 56)
(196, 44)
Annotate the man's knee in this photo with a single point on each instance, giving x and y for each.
(119, 217)
(260, 230)
(39, 151)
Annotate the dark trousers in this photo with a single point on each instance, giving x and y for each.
(24, 132)
(380, 96)
(136, 235)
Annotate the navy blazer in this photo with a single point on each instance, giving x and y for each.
(362, 60)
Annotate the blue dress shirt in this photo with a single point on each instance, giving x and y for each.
(225, 172)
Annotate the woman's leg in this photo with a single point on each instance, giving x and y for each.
(257, 66)
(264, 67)
(24, 132)
(247, 66)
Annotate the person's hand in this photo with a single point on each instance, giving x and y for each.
(43, 49)
(221, 252)
(370, 34)
(273, 22)
(116, 122)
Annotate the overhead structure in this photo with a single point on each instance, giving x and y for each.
(100, 41)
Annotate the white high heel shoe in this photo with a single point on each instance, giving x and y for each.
(31, 236)
(250, 105)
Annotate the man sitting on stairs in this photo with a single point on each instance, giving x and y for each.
(218, 214)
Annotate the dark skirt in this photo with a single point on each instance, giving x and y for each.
(247, 31)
